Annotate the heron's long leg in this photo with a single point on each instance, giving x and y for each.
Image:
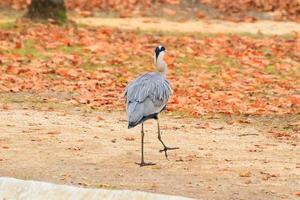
(142, 141)
(159, 137)
(165, 147)
(142, 150)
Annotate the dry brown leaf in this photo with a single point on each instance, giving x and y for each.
(129, 138)
(169, 12)
(245, 174)
(200, 15)
(55, 132)
(114, 140)
(99, 118)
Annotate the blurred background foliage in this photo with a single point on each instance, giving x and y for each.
(239, 10)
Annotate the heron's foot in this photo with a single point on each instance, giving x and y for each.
(142, 164)
(166, 149)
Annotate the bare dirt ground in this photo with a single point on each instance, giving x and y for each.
(201, 26)
(221, 161)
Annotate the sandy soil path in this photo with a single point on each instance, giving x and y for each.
(203, 26)
(192, 26)
(213, 163)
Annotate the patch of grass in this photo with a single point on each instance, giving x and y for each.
(212, 67)
(10, 13)
(215, 69)
(202, 35)
(193, 63)
(73, 49)
(229, 62)
(35, 101)
(268, 53)
(196, 35)
(289, 36)
(177, 114)
(28, 49)
(88, 66)
(270, 69)
(5, 99)
(250, 35)
(19, 98)
(139, 64)
(201, 63)
(7, 25)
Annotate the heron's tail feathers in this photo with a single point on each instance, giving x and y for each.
(135, 114)
(131, 125)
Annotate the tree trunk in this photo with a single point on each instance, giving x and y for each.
(47, 9)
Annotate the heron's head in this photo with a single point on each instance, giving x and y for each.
(159, 62)
(159, 52)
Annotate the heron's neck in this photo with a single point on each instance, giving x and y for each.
(161, 65)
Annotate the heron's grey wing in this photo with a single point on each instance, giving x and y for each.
(146, 95)
(151, 85)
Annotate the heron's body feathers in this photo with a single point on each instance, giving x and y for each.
(146, 96)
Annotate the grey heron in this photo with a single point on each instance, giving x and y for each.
(146, 97)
